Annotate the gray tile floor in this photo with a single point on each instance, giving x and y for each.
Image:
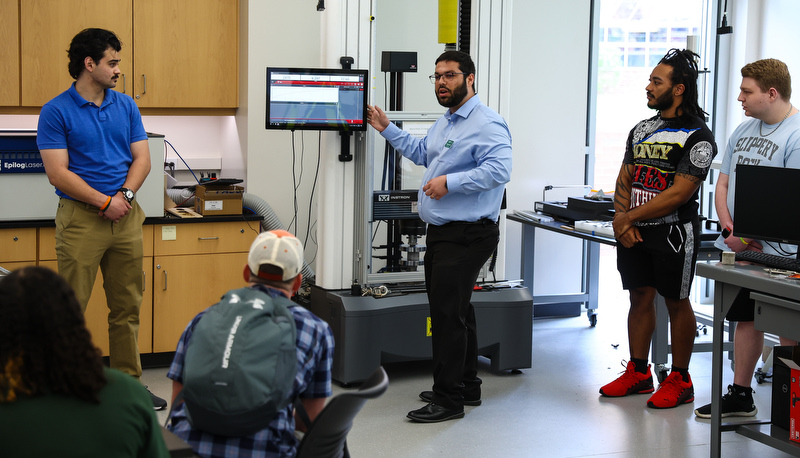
(550, 410)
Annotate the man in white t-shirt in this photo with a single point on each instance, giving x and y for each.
(771, 138)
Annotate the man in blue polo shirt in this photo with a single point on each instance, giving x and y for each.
(95, 153)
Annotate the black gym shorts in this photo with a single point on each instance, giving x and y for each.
(665, 259)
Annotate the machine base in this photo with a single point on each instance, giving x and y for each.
(370, 331)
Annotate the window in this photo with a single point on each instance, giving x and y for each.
(638, 37)
(678, 34)
(659, 35)
(639, 33)
(615, 34)
(655, 56)
(635, 57)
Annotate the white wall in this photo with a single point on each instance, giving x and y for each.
(202, 141)
(779, 33)
(761, 29)
(547, 116)
(410, 25)
(279, 34)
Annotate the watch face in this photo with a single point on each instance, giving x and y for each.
(127, 194)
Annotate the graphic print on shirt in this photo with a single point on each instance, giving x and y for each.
(657, 151)
(760, 146)
(652, 144)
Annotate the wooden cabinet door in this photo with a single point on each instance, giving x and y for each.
(48, 27)
(146, 311)
(186, 53)
(9, 53)
(203, 238)
(186, 285)
(18, 245)
(96, 314)
(12, 266)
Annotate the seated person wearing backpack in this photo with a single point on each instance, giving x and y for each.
(205, 412)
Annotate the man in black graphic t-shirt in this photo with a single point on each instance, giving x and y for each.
(657, 227)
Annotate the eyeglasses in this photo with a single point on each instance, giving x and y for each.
(447, 76)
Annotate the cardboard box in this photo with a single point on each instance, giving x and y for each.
(792, 389)
(218, 200)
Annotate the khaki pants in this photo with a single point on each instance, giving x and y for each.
(85, 241)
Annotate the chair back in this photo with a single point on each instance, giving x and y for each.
(326, 438)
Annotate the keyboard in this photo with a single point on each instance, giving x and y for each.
(769, 260)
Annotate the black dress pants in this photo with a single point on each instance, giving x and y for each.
(455, 254)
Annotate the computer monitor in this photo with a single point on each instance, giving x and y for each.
(316, 99)
(767, 206)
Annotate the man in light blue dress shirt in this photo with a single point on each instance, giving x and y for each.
(467, 156)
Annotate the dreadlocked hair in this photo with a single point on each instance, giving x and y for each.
(685, 71)
(45, 348)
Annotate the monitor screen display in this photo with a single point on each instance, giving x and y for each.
(316, 99)
(765, 207)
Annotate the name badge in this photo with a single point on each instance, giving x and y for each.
(448, 144)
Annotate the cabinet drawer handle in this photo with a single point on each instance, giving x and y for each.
(165, 280)
(144, 87)
(207, 238)
(144, 281)
(123, 83)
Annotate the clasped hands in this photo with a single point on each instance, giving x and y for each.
(624, 231)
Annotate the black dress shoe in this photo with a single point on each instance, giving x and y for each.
(433, 413)
(427, 396)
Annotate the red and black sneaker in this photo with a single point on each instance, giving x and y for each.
(630, 382)
(672, 392)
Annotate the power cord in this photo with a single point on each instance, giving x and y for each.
(184, 162)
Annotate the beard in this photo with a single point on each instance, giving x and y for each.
(455, 98)
(663, 102)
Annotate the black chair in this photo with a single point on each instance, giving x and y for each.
(176, 446)
(327, 436)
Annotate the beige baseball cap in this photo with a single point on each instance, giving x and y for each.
(279, 249)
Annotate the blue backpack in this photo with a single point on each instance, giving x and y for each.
(240, 363)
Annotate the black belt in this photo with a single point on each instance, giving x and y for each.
(480, 222)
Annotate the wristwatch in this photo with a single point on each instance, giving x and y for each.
(726, 232)
(127, 194)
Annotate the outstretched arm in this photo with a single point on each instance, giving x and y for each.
(377, 118)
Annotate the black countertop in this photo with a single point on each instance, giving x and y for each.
(170, 219)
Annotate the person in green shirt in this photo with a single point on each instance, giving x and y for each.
(56, 397)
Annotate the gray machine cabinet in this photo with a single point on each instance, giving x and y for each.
(371, 331)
